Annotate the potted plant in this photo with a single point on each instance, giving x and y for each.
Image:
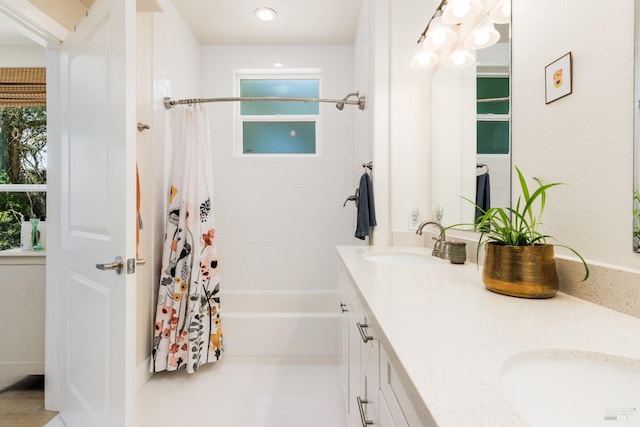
(518, 260)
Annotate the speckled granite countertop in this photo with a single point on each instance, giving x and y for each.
(450, 335)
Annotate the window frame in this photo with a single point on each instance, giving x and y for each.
(496, 117)
(24, 188)
(275, 74)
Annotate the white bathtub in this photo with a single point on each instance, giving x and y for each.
(280, 326)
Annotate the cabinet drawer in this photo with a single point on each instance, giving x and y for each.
(388, 417)
(400, 408)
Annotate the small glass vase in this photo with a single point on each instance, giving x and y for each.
(35, 234)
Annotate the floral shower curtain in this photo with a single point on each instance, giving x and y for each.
(187, 330)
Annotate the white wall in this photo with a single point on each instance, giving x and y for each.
(410, 94)
(453, 151)
(279, 219)
(362, 57)
(586, 138)
(395, 133)
(144, 108)
(170, 55)
(22, 56)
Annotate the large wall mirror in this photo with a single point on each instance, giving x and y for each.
(636, 134)
(471, 136)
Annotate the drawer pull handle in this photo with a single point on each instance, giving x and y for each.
(366, 338)
(363, 416)
(343, 307)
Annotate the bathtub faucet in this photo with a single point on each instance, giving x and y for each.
(441, 246)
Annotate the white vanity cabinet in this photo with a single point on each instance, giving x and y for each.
(358, 358)
(373, 391)
(22, 286)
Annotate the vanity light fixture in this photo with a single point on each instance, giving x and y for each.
(424, 58)
(265, 14)
(439, 35)
(501, 12)
(460, 58)
(484, 35)
(459, 11)
(461, 26)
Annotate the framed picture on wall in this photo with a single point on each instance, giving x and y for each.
(558, 78)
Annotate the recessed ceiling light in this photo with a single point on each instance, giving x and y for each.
(265, 14)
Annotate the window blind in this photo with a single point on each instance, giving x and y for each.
(23, 87)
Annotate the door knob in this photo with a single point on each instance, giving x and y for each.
(116, 265)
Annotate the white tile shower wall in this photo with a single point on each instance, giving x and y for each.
(176, 73)
(176, 58)
(279, 219)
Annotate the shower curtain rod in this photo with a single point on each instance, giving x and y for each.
(506, 98)
(340, 103)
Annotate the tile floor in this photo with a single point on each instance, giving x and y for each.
(229, 394)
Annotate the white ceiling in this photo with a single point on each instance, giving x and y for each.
(229, 22)
(302, 22)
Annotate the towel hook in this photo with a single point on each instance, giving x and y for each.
(352, 198)
(482, 165)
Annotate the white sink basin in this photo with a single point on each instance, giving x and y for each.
(551, 388)
(406, 258)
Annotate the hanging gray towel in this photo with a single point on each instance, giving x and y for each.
(366, 209)
(483, 194)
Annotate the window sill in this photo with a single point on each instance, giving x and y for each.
(16, 256)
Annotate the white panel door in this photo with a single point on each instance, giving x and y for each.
(97, 217)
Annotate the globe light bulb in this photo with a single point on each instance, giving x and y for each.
(460, 9)
(506, 8)
(438, 38)
(458, 58)
(439, 35)
(423, 59)
(484, 36)
(481, 37)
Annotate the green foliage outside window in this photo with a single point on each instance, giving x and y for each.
(23, 160)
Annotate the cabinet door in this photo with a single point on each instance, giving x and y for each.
(345, 320)
(359, 358)
(369, 360)
(395, 398)
(384, 415)
(354, 388)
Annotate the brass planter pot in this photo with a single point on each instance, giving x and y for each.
(520, 271)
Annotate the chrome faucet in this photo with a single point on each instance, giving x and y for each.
(441, 246)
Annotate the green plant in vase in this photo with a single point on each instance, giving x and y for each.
(518, 259)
